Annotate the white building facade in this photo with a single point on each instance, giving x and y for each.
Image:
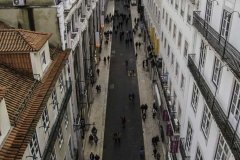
(200, 60)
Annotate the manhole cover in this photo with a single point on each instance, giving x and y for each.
(111, 86)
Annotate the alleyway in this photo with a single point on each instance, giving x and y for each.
(118, 104)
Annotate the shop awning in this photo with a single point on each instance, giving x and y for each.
(97, 39)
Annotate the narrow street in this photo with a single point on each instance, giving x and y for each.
(118, 104)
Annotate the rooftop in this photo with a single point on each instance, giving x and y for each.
(18, 90)
(19, 40)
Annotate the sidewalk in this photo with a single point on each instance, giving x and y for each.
(98, 109)
(150, 126)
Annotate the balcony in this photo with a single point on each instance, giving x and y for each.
(169, 106)
(216, 110)
(228, 53)
(182, 149)
(54, 130)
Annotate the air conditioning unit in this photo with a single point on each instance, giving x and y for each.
(18, 2)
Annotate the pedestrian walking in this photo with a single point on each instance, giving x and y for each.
(123, 121)
(91, 156)
(136, 44)
(158, 156)
(97, 157)
(154, 113)
(155, 152)
(141, 153)
(94, 131)
(144, 116)
(105, 60)
(98, 71)
(108, 59)
(90, 138)
(126, 63)
(142, 108)
(95, 139)
(118, 137)
(115, 137)
(136, 55)
(143, 63)
(133, 96)
(145, 108)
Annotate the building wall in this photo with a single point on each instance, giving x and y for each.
(224, 91)
(4, 121)
(42, 17)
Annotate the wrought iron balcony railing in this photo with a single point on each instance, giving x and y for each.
(182, 149)
(216, 110)
(228, 52)
(54, 131)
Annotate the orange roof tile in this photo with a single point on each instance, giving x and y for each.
(19, 40)
(20, 136)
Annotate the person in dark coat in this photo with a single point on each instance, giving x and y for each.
(91, 156)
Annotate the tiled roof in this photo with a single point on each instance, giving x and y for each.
(19, 40)
(20, 136)
(2, 92)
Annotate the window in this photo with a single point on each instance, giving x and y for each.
(60, 81)
(54, 99)
(34, 147)
(185, 53)
(168, 50)
(60, 137)
(202, 56)
(194, 100)
(159, 16)
(206, 120)
(66, 120)
(176, 4)
(163, 13)
(216, 71)
(53, 155)
(162, 37)
(182, 82)
(225, 24)
(166, 20)
(176, 69)
(172, 61)
(222, 149)
(170, 25)
(43, 58)
(179, 39)
(208, 12)
(45, 119)
(188, 137)
(165, 42)
(174, 31)
(235, 104)
(198, 154)
(182, 7)
(171, 2)
(189, 12)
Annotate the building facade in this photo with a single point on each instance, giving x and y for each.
(74, 24)
(198, 76)
(35, 101)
